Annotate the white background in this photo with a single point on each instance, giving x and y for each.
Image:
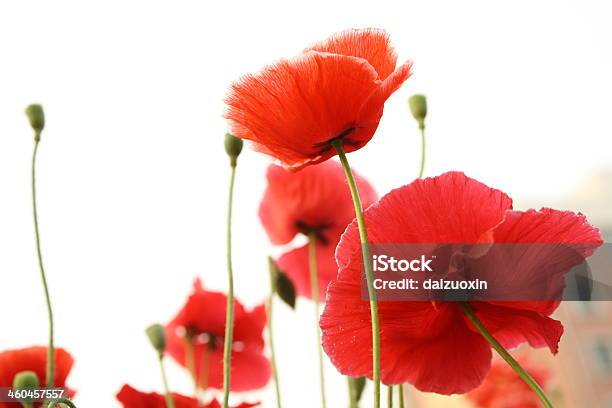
(133, 177)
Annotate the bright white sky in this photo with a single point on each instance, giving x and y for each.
(133, 177)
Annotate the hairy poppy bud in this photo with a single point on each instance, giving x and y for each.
(157, 337)
(418, 108)
(233, 147)
(36, 116)
(25, 380)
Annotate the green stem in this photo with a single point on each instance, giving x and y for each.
(229, 317)
(528, 379)
(390, 396)
(270, 332)
(365, 249)
(51, 348)
(352, 392)
(400, 391)
(168, 396)
(63, 401)
(314, 290)
(422, 167)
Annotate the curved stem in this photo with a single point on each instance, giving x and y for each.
(422, 167)
(63, 401)
(528, 379)
(314, 290)
(390, 396)
(365, 249)
(270, 333)
(167, 395)
(229, 317)
(51, 347)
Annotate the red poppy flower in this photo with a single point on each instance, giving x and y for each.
(203, 318)
(431, 344)
(132, 398)
(313, 199)
(503, 388)
(336, 89)
(33, 359)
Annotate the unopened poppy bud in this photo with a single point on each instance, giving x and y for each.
(25, 380)
(36, 116)
(281, 284)
(418, 108)
(157, 337)
(233, 147)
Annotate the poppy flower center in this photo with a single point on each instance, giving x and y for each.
(210, 340)
(327, 145)
(318, 230)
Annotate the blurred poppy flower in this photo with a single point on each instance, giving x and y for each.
(335, 89)
(314, 199)
(132, 398)
(503, 388)
(202, 320)
(432, 344)
(33, 359)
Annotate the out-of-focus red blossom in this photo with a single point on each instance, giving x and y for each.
(203, 317)
(432, 344)
(33, 359)
(503, 388)
(313, 199)
(335, 89)
(132, 398)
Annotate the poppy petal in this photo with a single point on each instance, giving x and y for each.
(295, 107)
(416, 340)
(204, 316)
(313, 199)
(34, 359)
(448, 208)
(512, 327)
(371, 44)
(296, 264)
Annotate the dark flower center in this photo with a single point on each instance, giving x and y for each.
(327, 144)
(318, 230)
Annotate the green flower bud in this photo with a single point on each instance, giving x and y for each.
(281, 284)
(233, 147)
(25, 380)
(36, 116)
(157, 337)
(418, 108)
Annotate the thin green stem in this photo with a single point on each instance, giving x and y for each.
(423, 145)
(167, 395)
(271, 332)
(390, 396)
(314, 290)
(352, 392)
(229, 317)
(528, 379)
(400, 391)
(365, 250)
(51, 347)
